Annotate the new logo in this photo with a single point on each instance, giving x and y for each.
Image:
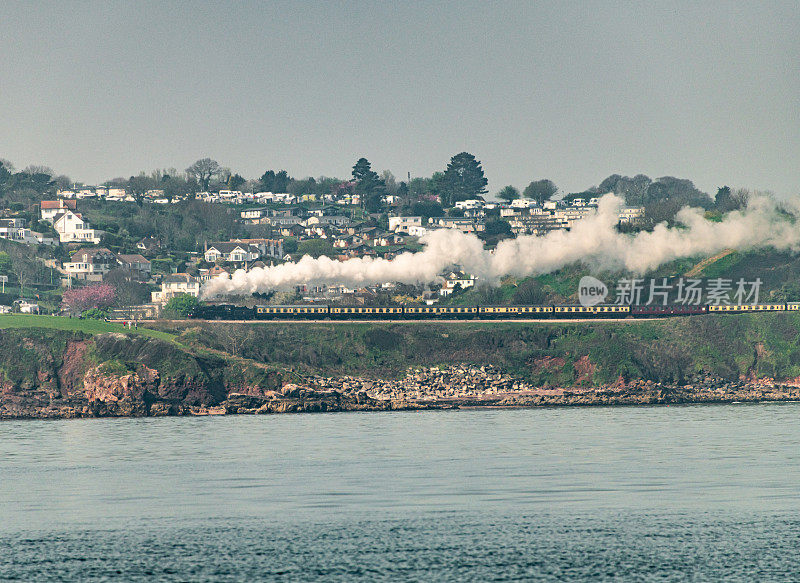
(591, 291)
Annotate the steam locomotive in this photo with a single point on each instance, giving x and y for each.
(324, 312)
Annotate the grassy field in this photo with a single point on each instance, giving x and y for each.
(76, 325)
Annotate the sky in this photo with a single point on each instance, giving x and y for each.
(570, 91)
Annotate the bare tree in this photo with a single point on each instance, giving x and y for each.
(203, 171)
(23, 266)
(740, 198)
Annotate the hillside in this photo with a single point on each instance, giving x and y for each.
(554, 354)
(56, 367)
(778, 271)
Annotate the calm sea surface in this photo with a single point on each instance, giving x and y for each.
(702, 493)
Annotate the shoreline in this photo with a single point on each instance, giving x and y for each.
(300, 400)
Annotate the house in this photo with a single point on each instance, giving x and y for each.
(176, 284)
(216, 271)
(136, 265)
(50, 208)
(26, 306)
(402, 224)
(231, 252)
(460, 224)
(254, 214)
(267, 247)
(386, 240)
(72, 227)
(456, 280)
(13, 230)
(631, 214)
(149, 245)
(90, 264)
(332, 220)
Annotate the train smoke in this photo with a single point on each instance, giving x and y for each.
(593, 241)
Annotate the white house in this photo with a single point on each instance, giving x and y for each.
(328, 220)
(90, 264)
(49, 209)
(232, 252)
(72, 227)
(402, 224)
(176, 284)
(456, 278)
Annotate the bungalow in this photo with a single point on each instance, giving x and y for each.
(90, 264)
(254, 214)
(176, 284)
(460, 224)
(334, 220)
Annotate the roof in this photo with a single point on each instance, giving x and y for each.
(59, 204)
(135, 258)
(179, 278)
(227, 248)
(82, 254)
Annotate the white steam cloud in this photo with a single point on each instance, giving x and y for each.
(593, 241)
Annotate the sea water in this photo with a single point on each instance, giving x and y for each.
(632, 493)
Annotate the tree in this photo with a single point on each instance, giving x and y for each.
(740, 198)
(100, 296)
(235, 182)
(722, 200)
(22, 262)
(203, 171)
(315, 247)
(464, 179)
(180, 306)
(369, 185)
(138, 186)
(540, 190)
(508, 194)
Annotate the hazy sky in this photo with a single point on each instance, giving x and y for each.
(569, 91)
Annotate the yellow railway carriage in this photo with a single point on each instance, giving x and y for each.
(586, 311)
(490, 312)
(371, 313)
(748, 308)
(291, 312)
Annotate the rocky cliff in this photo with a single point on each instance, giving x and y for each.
(58, 374)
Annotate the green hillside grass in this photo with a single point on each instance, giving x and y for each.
(8, 321)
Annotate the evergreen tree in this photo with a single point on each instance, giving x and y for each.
(464, 179)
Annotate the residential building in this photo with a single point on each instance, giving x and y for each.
(456, 280)
(216, 271)
(231, 252)
(176, 284)
(136, 265)
(460, 224)
(328, 220)
(149, 245)
(631, 214)
(402, 224)
(90, 264)
(267, 247)
(49, 209)
(72, 227)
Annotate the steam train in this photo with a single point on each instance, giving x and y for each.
(324, 312)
